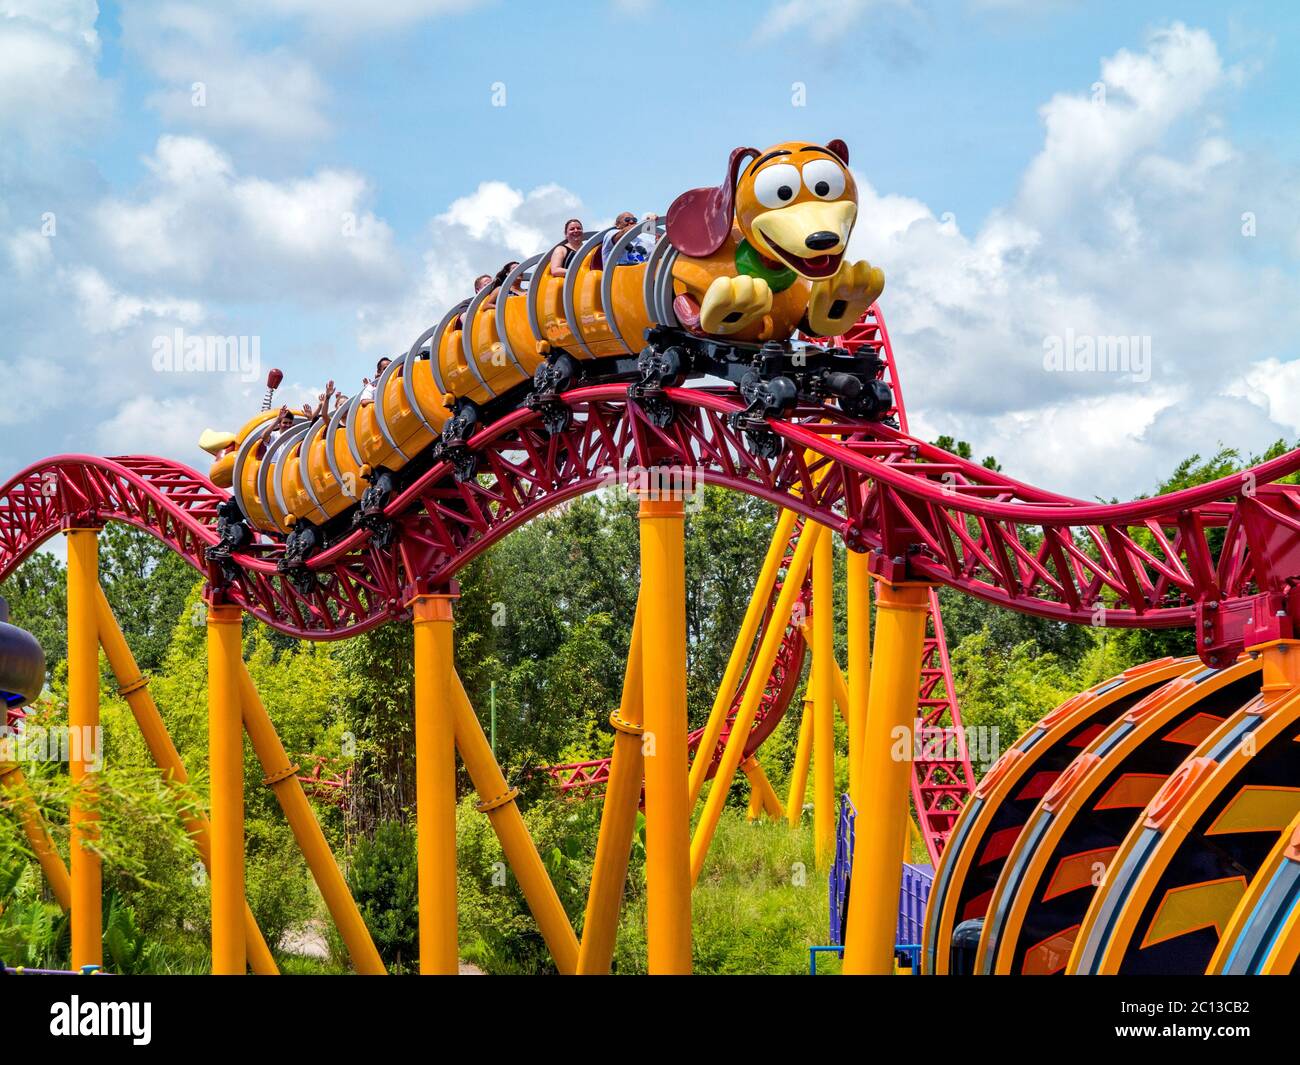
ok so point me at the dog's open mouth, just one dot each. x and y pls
(815, 266)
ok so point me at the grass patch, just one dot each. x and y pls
(759, 905)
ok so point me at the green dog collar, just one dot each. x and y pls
(749, 260)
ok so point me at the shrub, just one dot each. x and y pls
(497, 930)
(382, 879)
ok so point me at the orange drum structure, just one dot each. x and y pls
(1163, 844)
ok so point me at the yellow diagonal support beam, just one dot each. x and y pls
(134, 688)
(740, 650)
(617, 819)
(762, 668)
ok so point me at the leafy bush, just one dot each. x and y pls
(34, 931)
(127, 950)
(279, 887)
(497, 932)
(382, 878)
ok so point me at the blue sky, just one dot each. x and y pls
(1004, 202)
(926, 93)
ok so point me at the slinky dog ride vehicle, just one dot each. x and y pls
(735, 273)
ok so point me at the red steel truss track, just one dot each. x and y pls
(941, 776)
(942, 779)
(1223, 557)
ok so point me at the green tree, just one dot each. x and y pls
(963, 450)
(37, 592)
(148, 585)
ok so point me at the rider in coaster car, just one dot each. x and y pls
(562, 254)
(638, 251)
(368, 386)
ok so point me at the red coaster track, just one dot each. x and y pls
(923, 513)
(942, 780)
(1223, 557)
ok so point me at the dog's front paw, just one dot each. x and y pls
(732, 303)
(839, 301)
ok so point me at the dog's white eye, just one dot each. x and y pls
(824, 178)
(775, 186)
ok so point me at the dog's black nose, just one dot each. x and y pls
(822, 241)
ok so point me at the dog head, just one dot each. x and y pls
(795, 203)
(224, 447)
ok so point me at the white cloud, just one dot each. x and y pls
(102, 309)
(93, 350)
(217, 77)
(79, 358)
(212, 81)
(74, 19)
(202, 224)
(822, 20)
(1092, 138)
(29, 252)
(169, 425)
(347, 16)
(1127, 223)
(48, 78)
(1106, 447)
(477, 234)
(1273, 386)
(1020, 8)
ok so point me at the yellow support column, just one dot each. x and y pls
(83, 722)
(56, 873)
(910, 838)
(435, 784)
(841, 692)
(226, 773)
(760, 671)
(281, 776)
(762, 797)
(740, 652)
(498, 802)
(617, 819)
(823, 673)
(133, 686)
(859, 632)
(667, 812)
(802, 759)
(882, 816)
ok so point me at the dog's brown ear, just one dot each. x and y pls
(699, 220)
(839, 148)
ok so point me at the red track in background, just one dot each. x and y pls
(942, 779)
(589, 778)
